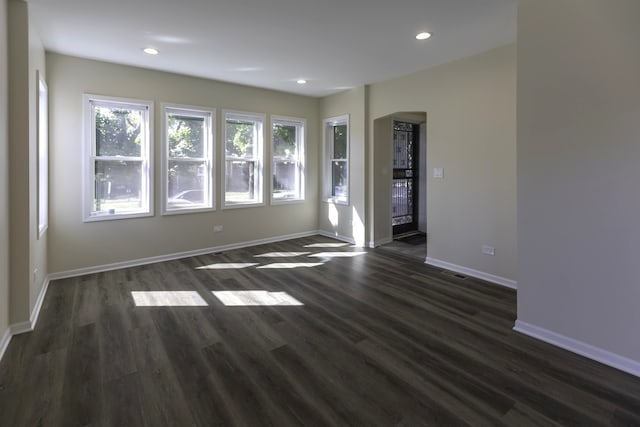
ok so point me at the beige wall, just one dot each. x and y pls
(74, 244)
(4, 174)
(28, 252)
(578, 170)
(471, 133)
(37, 244)
(382, 171)
(348, 221)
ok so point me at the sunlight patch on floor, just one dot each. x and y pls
(254, 298)
(227, 265)
(168, 299)
(337, 254)
(326, 245)
(292, 264)
(281, 254)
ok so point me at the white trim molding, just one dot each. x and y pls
(38, 306)
(376, 243)
(336, 236)
(4, 341)
(583, 349)
(178, 255)
(498, 280)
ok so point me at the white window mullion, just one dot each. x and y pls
(188, 141)
(125, 152)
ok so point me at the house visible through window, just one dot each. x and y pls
(189, 159)
(336, 132)
(243, 169)
(287, 153)
(118, 171)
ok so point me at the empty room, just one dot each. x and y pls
(319, 213)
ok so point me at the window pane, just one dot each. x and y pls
(186, 136)
(284, 141)
(240, 138)
(340, 142)
(118, 186)
(286, 184)
(241, 176)
(118, 131)
(187, 185)
(339, 180)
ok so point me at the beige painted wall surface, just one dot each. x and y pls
(578, 170)
(4, 173)
(19, 160)
(382, 179)
(37, 244)
(348, 221)
(74, 244)
(471, 133)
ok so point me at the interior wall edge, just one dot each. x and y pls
(498, 280)
(579, 347)
(169, 257)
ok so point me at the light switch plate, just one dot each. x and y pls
(438, 172)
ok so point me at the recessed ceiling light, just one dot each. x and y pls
(423, 36)
(150, 51)
(301, 81)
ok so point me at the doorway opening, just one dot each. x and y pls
(406, 174)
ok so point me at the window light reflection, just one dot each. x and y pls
(227, 265)
(256, 298)
(326, 245)
(291, 264)
(281, 254)
(337, 254)
(168, 299)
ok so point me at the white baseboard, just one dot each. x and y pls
(4, 341)
(583, 349)
(36, 308)
(20, 328)
(380, 242)
(336, 236)
(503, 281)
(177, 255)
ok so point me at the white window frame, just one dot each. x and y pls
(301, 129)
(43, 154)
(89, 157)
(209, 116)
(327, 137)
(258, 157)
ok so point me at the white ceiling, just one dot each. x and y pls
(334, 44)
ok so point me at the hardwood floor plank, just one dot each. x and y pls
(379, 340)
(121, 402)
(158, 382)
(81, 398)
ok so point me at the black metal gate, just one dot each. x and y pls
(405, 177)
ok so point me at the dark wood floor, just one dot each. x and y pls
(379, 340)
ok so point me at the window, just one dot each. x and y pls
(336, 137)
(118, 171)
(287, 154)
(243, 159)
(43, 156)
(188, 165)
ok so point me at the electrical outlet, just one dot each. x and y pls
(488, 250)
(217, 228)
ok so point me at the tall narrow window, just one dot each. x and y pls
(118, 169)
(243, 159)
(336, 136)
(43, 155)
(188, 139)
(287, 154)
